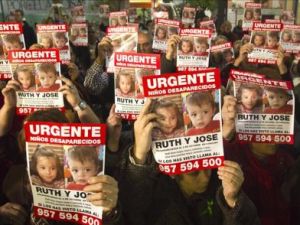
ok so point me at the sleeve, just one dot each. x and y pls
(96, 80)
(136, 185)
(244, 212)
(167, 66)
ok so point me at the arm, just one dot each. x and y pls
(235, 205)
(96, 79)
(85, 115)
(7, 111)
(114, 128)
(244, 50)
(168, 60)
(228, 117)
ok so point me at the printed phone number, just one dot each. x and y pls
(265, 138)
(68, 216)
(191, 166)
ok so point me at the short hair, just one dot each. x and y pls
(42, 151)
(273, 34)
(11, 38)
(201, 40)
(278, 91)
(83, 154)
(249, 10)
(60, 35)
(46, 68)
(200, 98)
(20, 11)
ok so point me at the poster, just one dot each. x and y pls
(130, 68)
(290, 38)
(194, 47)
(118, 19)
(38, 72)
(79, 34)
(60, 160)
(252, 13)
(163, 30)
(78, 14)
(55, 36)
(189, 136)
(265, 110)
(188, 17)
(11, 38)
(265, 39)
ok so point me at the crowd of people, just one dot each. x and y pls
(258, 183)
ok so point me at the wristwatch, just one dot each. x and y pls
(82, 105)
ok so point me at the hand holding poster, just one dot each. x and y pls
(11, 38)
(130, 68)
(194, 47)
(265, 40)
(38, 73)
(61, 158)
(55, 36)
(265, 109)
(189, 135)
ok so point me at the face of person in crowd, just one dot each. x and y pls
(25, 78)
(60, 42)
(286, 37)
(161, 34)
(47, 79)
(46, 168)
(186, 47)
(144, 43)
(194, 182)
(13, 46)
(272, 42)
(228, 57)
(200, 47)
(82, 171)
(200, 116)
(46, 42)
(258, 40)
(276, 100)
(125, 84)
(249, 98)
(167, 119)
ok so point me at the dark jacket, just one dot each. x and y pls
(151, 198)
(29, 34)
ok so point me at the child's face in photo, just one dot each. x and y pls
(286, 37)
(114, 22)
(167, 119)
(47, 79)
(125, 84)
(200, 47)
(272, 42)
(259, 40)
(248, 15)
(81, 172)
(200, 116)
(122, 21)
(256, 16)
(25, 78)
(60, 42)
(82, 32)
(46, 168)
(186, 47)
(228, 57)
(296, 37)
(161, 34)
(13, 46)
(249, 98)
(276, 100)
(46, 42)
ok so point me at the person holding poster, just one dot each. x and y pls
(191, 198)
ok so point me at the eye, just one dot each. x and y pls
(205, 112)
(75, 170)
